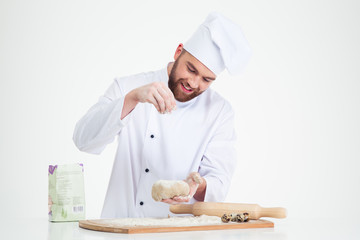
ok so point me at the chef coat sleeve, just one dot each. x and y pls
(100, 125)
(219, 160)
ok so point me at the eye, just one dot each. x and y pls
(190, 70)
(206, 80)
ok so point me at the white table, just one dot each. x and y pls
(284, 229)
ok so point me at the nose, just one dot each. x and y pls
(194, 82)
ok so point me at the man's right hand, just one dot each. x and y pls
(156, 93)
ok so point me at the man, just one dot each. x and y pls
(195, 140)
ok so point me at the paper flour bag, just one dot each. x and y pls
(66, 192)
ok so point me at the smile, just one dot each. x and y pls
(185, 89)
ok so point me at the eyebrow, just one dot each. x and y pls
(192, 66)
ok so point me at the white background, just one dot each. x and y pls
(297, 104)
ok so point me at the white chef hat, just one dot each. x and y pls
(219, 43)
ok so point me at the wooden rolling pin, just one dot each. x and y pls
(219, 209)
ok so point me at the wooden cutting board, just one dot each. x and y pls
(104, 226)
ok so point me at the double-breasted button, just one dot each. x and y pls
(147, 170)
(141, 203)
(152, 136)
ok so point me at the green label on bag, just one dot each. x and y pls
(66, 200)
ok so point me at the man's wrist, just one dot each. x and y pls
(201, 190)
(132, 97)
(130, 103)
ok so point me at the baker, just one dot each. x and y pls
(169, 124)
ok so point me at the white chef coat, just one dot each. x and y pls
(198, 136)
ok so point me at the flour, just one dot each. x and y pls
(172, 221)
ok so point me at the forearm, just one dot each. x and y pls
(201, 190)
(130, 103)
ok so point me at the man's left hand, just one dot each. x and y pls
(194, 180)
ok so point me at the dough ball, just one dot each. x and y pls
(164, 189)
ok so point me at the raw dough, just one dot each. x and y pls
(164, 189)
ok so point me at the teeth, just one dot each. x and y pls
(189, 89)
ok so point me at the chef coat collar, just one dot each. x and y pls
(165, 78)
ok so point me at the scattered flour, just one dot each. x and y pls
(171, 221)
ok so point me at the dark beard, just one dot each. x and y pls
(174, 85)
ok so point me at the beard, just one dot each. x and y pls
(174, 85)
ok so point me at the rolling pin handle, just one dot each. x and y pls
(181, 208)
(277, 212)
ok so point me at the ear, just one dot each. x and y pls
(178, 51)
